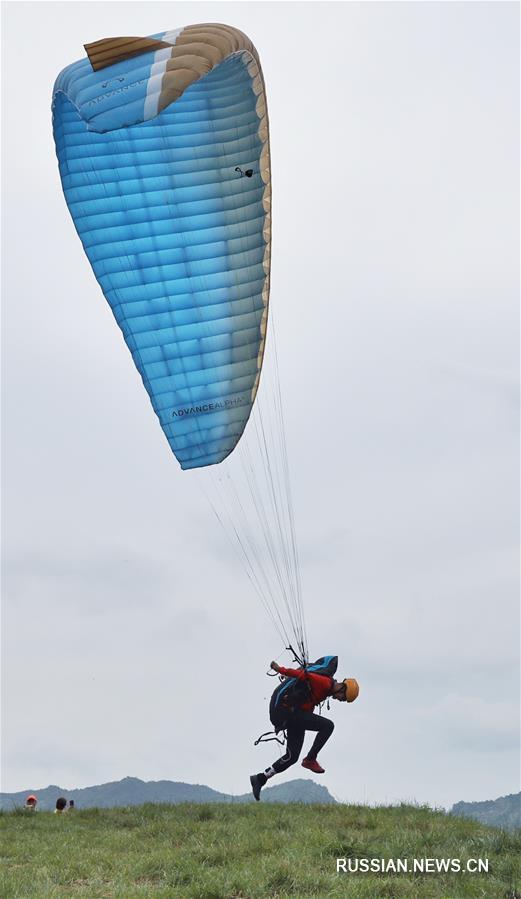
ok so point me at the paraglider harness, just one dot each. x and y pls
(291, 692)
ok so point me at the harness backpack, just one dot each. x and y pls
(291, 691)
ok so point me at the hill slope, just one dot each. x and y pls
(260, 851)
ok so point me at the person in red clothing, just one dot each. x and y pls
(293, 711)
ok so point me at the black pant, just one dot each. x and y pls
(296, 724)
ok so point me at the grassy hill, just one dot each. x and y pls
(259, 851)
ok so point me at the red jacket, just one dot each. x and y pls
(319, 684)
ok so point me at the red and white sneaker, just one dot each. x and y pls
(313, 765)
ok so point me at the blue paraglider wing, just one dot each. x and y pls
(163, 153)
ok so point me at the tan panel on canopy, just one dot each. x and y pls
(111, 50)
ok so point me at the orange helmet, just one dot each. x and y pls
(352, 688)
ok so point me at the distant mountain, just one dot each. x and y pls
(132, 791)
(503, 812)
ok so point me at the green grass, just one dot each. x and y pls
(247, 852)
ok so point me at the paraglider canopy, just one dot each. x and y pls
(149, 132)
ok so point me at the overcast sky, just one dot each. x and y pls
(133, 643)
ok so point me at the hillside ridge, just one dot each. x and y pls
(134, 791)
